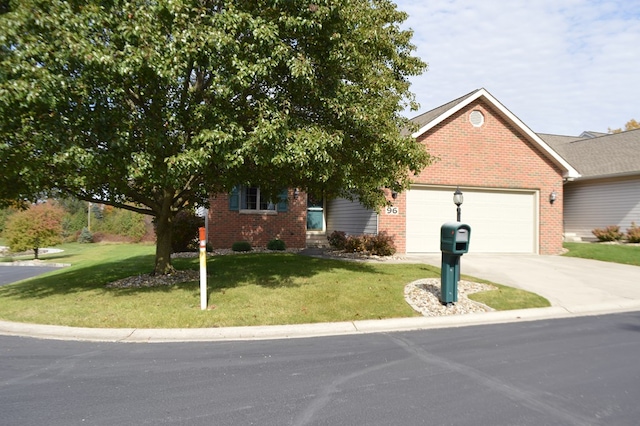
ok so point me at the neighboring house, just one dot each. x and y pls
(608, 191)
(506, 172)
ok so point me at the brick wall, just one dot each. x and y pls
(495, 155)
(395, 224)
(228, 226)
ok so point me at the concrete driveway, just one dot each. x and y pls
(578, 285)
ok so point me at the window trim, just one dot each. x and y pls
(244, 194)
(237, 200)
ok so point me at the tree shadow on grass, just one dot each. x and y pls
(72, 279)
(269, 270)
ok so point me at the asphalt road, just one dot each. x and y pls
(11, 274)
(578, 371)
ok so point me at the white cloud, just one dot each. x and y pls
(561, 66)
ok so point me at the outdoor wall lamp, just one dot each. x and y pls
(458, 198)
(296, 193)
(553, 196)
(394, 194)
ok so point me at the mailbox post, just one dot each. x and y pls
(454, 242)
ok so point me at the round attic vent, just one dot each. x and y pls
(476, 118)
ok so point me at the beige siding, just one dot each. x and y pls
(594, 204)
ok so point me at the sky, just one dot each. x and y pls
(561, 66)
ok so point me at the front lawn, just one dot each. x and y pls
(618, 253)
(244, 289)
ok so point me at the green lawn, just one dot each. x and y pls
(618, 253)
(247, 289)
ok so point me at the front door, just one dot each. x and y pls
(315, 214)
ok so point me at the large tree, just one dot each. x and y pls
(150, 105)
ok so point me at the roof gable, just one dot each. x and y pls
(432, 118)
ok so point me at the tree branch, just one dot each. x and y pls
(117, 204)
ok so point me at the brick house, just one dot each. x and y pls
(506, 172)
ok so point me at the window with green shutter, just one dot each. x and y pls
(249, 198)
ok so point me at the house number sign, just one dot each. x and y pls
(392, 210)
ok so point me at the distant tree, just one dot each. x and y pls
(38, 226)
(631, 125)
(5, 213)
(150, 106)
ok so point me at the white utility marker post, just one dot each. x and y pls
(203, 269)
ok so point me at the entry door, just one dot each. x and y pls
(315, 214)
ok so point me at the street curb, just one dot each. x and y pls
(142, 335)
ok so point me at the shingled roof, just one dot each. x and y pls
(610, 155)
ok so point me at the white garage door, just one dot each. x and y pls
(500, 221)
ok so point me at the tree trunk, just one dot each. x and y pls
(164, 230)
(35, 251)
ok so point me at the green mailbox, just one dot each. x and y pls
(454, 238)
(454, 242)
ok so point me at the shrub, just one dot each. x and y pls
(241, 246)
(185, 231)
(337, 239)
(380, 245)
(610, 233)
(276, 244)
(355, 244)
(85, 236)
(633, 233)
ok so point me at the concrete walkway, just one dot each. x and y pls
(575, 287)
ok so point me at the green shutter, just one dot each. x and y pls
(234, 199)
(284, 201)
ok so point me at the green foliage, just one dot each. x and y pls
(149, 106)
(633, 233)
(72, 224)
(34, 228)
(337, 240)
(120, 222)
(72, 205)
(241, 246)
(85, 236)
(185, 231)
(610, 233)
(5, 213)
(276, 244)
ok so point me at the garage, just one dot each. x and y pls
(501, 221)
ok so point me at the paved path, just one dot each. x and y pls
(11, 273)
